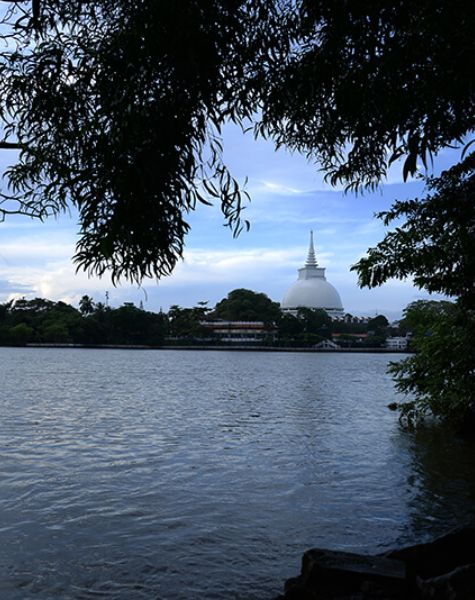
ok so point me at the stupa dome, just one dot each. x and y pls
(312, 290)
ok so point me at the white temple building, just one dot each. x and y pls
(312, 290)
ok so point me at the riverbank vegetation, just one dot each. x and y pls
(439, 377)
(435, 244)
(42, 321)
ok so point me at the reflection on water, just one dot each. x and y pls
(442, 480)
(180, 475)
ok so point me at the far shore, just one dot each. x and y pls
(231, 348)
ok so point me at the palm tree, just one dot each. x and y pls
(86, 305)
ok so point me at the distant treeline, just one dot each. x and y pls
(93, 323)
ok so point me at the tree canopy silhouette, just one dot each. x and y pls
(436, 246)
(116, 108)
(246, 305)
(436, 243)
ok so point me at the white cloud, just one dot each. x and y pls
(211, 275)
(279, 188)
(232, 265)
(55, 280)
(35, 250)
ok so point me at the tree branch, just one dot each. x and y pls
(10, 145)
(24, 213)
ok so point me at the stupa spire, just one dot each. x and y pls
(311, 258)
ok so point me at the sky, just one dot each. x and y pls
(288, 199)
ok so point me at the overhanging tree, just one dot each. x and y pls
(117, 107)
(440, 377)
(369, 82)
(436, 242)
(436, 246)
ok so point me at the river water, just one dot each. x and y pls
(180, 475)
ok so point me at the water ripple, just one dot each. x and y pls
(178, 475)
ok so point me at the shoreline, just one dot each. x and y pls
(218, 348)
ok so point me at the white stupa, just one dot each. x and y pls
(312, 290)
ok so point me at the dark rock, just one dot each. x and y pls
(458, 584)
(329, 574)
(440, 570)
(444, 554)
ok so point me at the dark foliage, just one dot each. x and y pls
(185, 323)
(117, 107)
(439, 378)
(436, 242)
(40, 321)
(246, 305)
(436, 246)
(46, 322)
(370, 82)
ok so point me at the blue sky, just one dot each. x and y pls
(289, 198)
